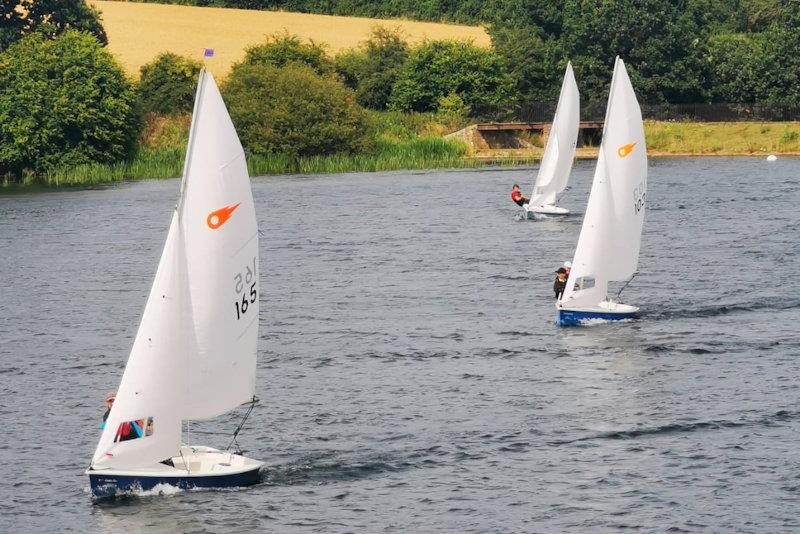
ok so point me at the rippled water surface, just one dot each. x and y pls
(411, 376)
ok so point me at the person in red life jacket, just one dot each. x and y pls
(130, 430)
(127, 430)
(517, 196)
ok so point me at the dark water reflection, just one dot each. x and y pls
(411, 374)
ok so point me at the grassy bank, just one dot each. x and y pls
(722, 138)
(683, 139)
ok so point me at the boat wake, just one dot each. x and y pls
(724, 309)
(676, 428)
(328, 466)
(136, 492)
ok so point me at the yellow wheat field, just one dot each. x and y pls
(138, 32)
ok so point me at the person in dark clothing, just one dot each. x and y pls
(517, 196)
(560, 283)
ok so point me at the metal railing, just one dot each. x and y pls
(702, 112)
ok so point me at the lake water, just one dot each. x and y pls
(411, 375)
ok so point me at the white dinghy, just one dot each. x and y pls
(608, 246)
(559, 152)
(194, 356)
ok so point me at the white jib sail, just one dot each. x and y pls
(194, 355)
(152, 384)
(221, 236)
(559, 152)
(608, 246)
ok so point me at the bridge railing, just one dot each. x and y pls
(702, 112)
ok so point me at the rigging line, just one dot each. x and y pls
(241, 425)
(562, 194)
(626, 284)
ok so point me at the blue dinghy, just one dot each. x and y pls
(611, 235)
(194, 355)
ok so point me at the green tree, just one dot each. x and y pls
(63, 102)
(50, 17)
(373, 70)
(284, 49)
(435, 69)
(167, 84)
(537, 64)
(660, 42)
(733, 61)
(295, 111)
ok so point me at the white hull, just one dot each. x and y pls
(549, 209)
(607, 306)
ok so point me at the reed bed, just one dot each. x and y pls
(418, 153)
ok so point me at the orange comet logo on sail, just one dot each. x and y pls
(624, 150)
(217, 218)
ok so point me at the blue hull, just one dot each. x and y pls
(577, 318)
(108, 485)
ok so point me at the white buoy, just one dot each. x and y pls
(772, 157)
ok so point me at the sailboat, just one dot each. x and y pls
(608, 246)
(559, 152)
(194, 355)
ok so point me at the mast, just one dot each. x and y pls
(190, 144)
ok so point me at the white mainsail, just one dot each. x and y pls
(559, 152)
(219, 223)
(194, 355)
(608, 246)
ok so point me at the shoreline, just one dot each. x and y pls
(104, 175)
(500, 156)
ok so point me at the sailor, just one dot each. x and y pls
(561, 282)
(110, 396)
(517, 196)
(567, 267)
(127, 430)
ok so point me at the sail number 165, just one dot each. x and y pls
(245, 287)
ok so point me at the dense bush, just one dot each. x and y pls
(373, 70)
(436, 69)
(281, 50)
(167, 84)
(63, 102)
(351, 66)
(49, 17)
(294, 111)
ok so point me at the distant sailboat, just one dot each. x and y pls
(194, 356)
(608, 246)
(559, 152)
